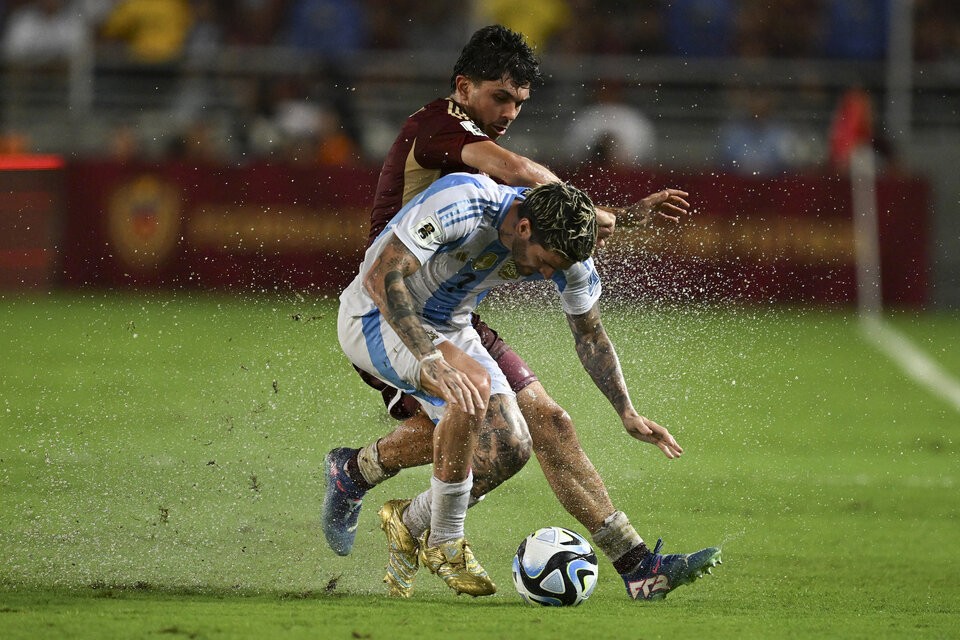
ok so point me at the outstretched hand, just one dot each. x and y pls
(669, 204)
(646, 430)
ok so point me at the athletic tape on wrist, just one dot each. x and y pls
(435, 355)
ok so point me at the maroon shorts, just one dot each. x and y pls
(518, 374)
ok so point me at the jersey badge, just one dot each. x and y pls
(484, 262)
(508, 271)
(427, 231)
(472, 127)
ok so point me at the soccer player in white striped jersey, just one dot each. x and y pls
(405, 318)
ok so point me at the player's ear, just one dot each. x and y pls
(463, 85)
(524, 230)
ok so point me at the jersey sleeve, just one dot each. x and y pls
(579, 287)
(442, 138)
(449, 210)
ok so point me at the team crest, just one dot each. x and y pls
(143, 220)
(509, 270)
(484, 262)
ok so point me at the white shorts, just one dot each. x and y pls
(372, 345)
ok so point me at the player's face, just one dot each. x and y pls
(531, 258)
(493, 104)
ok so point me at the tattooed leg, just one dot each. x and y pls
(503, 447)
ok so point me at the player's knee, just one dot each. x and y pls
(504, 446)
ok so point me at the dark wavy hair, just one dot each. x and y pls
(562, 219)
(494, 52)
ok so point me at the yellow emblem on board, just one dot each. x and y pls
(143, 219)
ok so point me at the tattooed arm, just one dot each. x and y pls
(599, 358)
(385, 285)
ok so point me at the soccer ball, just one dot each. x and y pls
(555, 567)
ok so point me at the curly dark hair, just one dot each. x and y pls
(494, 52)
(562, 219)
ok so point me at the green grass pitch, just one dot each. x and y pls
(159, 475)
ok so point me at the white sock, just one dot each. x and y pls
(448, 509)
(417, 515)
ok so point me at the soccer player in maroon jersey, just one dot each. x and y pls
(491, 81)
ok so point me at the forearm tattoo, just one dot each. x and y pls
(392, 296)
(599, 358)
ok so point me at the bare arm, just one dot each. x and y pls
(514, 169)
(385, 285)
(506, 166)
(599, 358)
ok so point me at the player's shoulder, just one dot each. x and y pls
(446, 115)
(468, 182)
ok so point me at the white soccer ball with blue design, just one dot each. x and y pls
(555, 567)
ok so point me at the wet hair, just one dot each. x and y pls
(562, 219)
(495, 52)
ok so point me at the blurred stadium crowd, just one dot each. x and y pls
(304, 80)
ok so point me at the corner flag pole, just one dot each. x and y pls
(866, 231)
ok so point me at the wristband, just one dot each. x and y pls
(434, 355)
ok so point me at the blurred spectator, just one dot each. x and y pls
(154, 31)
(610, 132)
(13, 142)
(252, 22)
(702, 28)
(198, 143)
(332, 29)
(755, 141)
(413, 24)
(537, 20)
(936, 30)
(607, 27)
(288, 125)
(787, 29)
(856, 29)
(124, 144)
(44, 31)
(206, 36)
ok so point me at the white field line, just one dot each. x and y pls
(914, 362)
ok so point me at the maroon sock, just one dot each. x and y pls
(629, 560)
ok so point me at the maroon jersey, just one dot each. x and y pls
(427, 148)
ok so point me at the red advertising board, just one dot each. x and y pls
(271, 227)
(246, 228)
(31, 213)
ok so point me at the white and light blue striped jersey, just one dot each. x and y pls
(453, 229)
